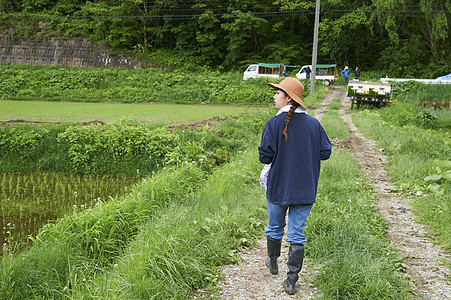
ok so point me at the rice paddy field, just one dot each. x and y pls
(159, 113)
(28, 201)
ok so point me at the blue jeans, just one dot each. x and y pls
(346, 80)
(297, 217)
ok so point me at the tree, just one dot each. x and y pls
(345, 33)
(382, 34)
(436, 25)
(420, 29)
(209, 37)
(242, 35)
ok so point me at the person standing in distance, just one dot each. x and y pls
(284, 72)
(346, 73)
(357, 74)
(307, 72)
(294, 143)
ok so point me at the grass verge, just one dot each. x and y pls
(418, 163)
(333, 124)
(346, 236)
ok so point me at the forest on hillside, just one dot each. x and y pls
(408, 38)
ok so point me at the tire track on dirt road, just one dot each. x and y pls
(421, 255)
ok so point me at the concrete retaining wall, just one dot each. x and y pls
(74, 52)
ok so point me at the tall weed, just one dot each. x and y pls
(81, 243)
(212, 224)
(136, 246)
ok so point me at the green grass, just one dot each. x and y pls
(346, 236)
(314, 101)
(136, 246)
(44, 111)
(91, 239)
(211, 224)
(414, 154)
(333, 124)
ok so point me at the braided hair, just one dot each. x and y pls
(290, 113)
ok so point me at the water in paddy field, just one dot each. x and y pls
(28, 201)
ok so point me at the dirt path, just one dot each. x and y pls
(421, 255)
(250, 278)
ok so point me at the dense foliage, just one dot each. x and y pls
(373, 34)
(125, 148)
(131, 86)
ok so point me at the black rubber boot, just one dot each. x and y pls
(273, 253)
(295, 260)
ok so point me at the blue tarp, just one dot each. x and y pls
(446, 77)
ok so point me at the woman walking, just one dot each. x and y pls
(293, 143)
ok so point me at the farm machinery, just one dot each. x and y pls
(368, 92)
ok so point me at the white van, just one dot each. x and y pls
(264, 70)
(325, 73)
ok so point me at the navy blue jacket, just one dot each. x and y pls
(293, 177)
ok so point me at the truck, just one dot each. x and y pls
(324, 72)
(373, 93)
(264, 70)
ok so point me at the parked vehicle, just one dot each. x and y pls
(368, 92)
(265, 70)
(324, 72)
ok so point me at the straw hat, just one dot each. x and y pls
(292, 87)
